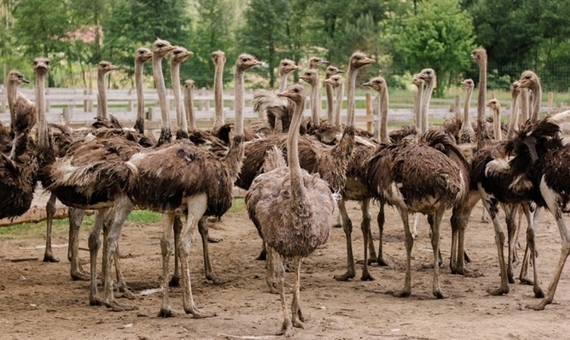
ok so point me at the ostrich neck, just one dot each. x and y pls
(418, 97)
(102, 107)
(330, 111)
(536, 101)
(140, 95)
(497, 133)
(350, 85)
(43, 137)
(466, 116)
(177, 91)
(315, 103)
(189, 103)
(426, 98)
(161, 91)
(338, 104)
(383, 110)
(283, 82)
(219, 118)
(238, 81)
(513, 120)
(524, 104)
(481, 131)
(297, 187)
(12, 95)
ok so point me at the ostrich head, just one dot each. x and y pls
(528, 78)
(246, 61)
(334, 81)
(287, 66)
(416, 80)
(467, 84)
(105, 67)
(143, 55)
(161, 47)
(479, 55)
(332, 70)
(296, 93)
(16, 76)
(376, 83)
(515, 88)
(179, 54)
(41, 65)
(359, 59)
(218, 57)
(427, 75)
(316, 62)
(310, 76)
(494, 104)
(189, 84)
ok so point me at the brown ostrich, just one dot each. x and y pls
(329, 72)
(293, 211)
(19, 165)
(192, 182)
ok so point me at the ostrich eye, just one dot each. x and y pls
(160, 45)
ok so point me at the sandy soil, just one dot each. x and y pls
(39, 301)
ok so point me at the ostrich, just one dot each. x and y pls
(286, 66)
(189, 104)
(103, 68)
(178, 55)
(142, 56)
(219, 59)
(420, 86)
(466, 133)
(293, 210)
(159, 49)
(311, 76)
(18, 168)
(192, 182)
(334, 82)
(316, 62)
(495, 106)
(331, 71)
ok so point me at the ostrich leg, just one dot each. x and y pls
(532, 220)
(177, 228)
(50, 212)
(367, 235)
(298, 317)
(347, 227)
(75, 217)
(409, 243)
(208, 271)
(166, 248)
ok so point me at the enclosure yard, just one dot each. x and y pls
(39, 300)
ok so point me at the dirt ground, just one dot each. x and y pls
(39, 300)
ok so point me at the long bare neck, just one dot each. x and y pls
(239, 90)
(139, 125)
(338, 104)
(219, 118)
(315, 103)
(513, 120)
(178, 103)
(12, 95)
(524, 98)
(418, 97)
(297, 186)
(466, 116)
(102, 107)
(536, 101)
(161, 91)
(350, 88)
(383, 110)
(481, 130)
(283, 82)
(43, 136)
(330, 107)
(189, 107)
(426, 98)
(497, 133)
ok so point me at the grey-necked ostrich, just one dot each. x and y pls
(329, 72)
(335, 83)
(19, 165)
(495, 107)
(466, 132)
(293, 211)
(178, 55)
(159, 49)
(189, 104)
(219, 59)
(192, 182)
(142, 55)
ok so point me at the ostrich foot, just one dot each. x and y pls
(511, 278)
(95, 301)
(538, 293)
(466, 257)
(117, 307)
(366, 277)
(215, 280)
(526, 281)
(539, 306)
(499, 291)
(199, 313)
(381, 262)
(48, 257)
(402, 293)
(467, 273)
(345, 277)
(298, 324)
(438, 294)
(79, 275)
(165, 312)
(214, 239)
(174, 281)
(124, 292)
(337, 225)
(286, 328)
(262, 255)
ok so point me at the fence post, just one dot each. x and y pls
(368, 113)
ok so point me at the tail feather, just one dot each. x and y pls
(274, 159)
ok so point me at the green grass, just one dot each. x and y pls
(238, 205)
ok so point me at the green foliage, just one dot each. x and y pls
(439, 36)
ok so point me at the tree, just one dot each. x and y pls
(439, 36)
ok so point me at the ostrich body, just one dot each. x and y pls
(282, 203)
(191, 182)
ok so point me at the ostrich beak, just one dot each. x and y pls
(367, 84)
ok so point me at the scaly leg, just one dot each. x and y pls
(166, 249)
(50, 212)
(367, 237)
(75, 217)
(436, 253)
(287, 326)
(530, 239)
(510, 214)
(298, 318)
(347, 227)
(94, 245)
(177, 228)
(208, 271)
(409, 242)
(381, 218)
